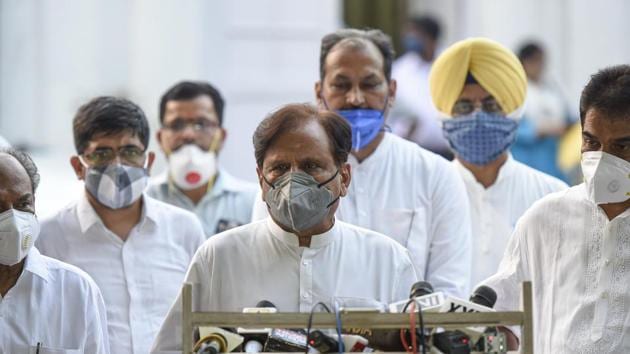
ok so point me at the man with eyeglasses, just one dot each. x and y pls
(136, 248)
(479, 86)
(191, 136)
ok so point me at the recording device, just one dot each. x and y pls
(286, 340)
(487, 340)
(322, 343)
(355, 343)
(214, 340)
(255, 338)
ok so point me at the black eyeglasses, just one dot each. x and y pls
(465, 106)
(201, 124)
(132, 155)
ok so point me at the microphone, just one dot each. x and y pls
(420, 288)
(254, 338)
(422, 293)
(214, 340)
(485, 296)
(471, 338)
(491, 340)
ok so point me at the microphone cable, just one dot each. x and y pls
(341, 348)
(310, 322)
(412, 329)
(420, 322)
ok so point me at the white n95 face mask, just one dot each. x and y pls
(607, 177)
(18, 232)
(191, 167)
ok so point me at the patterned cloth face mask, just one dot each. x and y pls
(116, 186)
(480, 137)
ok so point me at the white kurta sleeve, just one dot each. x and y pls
(405, 278)
(449, 254)
(97, 338)
(512, 271)
(169, 337)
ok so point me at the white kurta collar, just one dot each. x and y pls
(317, 241)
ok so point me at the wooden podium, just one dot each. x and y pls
(522, 318)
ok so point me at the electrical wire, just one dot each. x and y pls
(341, 348)
(421, 323)
(310, 322)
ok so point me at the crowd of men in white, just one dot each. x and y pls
(343, 208)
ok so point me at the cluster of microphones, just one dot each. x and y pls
(214, 340)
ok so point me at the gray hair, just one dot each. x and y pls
(27, 162)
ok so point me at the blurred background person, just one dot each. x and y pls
(413, 116)
(546, 117)
(191, 136)
(481, 86)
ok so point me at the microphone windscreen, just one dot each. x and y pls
(265, 303)
(420, 288)
(485, 296)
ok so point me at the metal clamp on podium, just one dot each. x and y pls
(523, 318)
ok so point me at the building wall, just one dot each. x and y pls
(581, 36)
(57, 54)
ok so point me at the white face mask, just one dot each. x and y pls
(191, 167)
(18, 232)
(607, 177)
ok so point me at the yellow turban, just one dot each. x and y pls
(492, 65)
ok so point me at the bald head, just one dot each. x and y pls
(17, 185)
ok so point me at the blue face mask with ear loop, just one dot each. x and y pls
(365, 123)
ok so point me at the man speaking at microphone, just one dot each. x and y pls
(300, 254)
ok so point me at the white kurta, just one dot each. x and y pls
(139, 277)
(417, 198)
(579, 265)
(260, 261)
(54, 304)
(495, 210)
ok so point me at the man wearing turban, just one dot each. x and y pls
(479, 87)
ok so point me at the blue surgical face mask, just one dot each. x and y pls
(412, 43)
(479, 137)
(365, 123)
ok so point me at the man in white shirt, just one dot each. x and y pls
(136, 248)
(46, 306)
(191, 136)
(481, 125)
(300, 255)
(399, 189)
(413, 115)
(574, 245)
